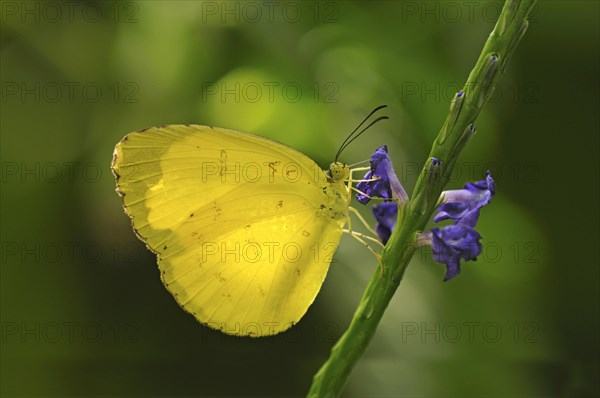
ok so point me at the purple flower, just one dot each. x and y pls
(450, 244)
(384, 182)
(459, 241)
(463, 205)
(453, 243)
(386, 214)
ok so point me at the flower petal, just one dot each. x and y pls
(453, 243)
(463, 205)
(363, 186)
(452, 269)
(384, 182)
(386, 214)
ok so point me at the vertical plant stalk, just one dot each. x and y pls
(454, 134)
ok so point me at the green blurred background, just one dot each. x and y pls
(83, 310)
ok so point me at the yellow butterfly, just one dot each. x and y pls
(244, 227)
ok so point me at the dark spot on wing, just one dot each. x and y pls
(217, 211)
(272, 166)
(279, 204)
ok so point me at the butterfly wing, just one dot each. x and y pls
(242, 226)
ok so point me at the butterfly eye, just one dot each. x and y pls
(338, 171)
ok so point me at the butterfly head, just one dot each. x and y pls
(338, 171)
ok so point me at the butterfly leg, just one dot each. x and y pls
(359, 169)
(361, 238)
(351, 180)
(352, 188)
(363, 221)
(352, 171)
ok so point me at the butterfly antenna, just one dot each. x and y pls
(351, 137)
(380, 118)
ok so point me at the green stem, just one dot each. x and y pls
(456, 131)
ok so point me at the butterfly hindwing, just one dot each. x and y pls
(241, 224)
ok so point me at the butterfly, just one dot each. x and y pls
(244, 227)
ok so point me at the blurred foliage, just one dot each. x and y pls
(83, 309)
